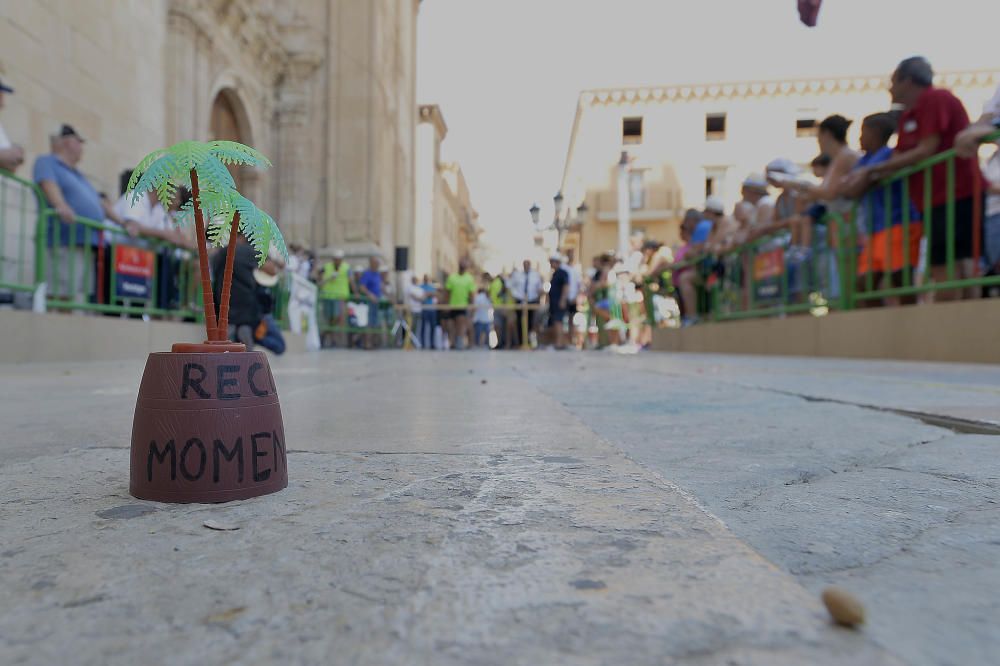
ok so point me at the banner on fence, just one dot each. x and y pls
(302, 310)
(133, 270)
(768, 269)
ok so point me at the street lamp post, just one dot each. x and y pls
(624, 206)
(557, 221)
(561, 221)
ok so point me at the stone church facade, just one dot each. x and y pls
(325, 88)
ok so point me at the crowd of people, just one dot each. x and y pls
(813, 221)
(851, 215)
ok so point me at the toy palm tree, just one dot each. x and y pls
(215, 207)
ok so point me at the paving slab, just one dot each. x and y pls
(903, 513)
(431, 518)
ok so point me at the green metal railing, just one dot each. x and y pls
(20, 204)
(77, 265)
(840, 270)
(81, 274)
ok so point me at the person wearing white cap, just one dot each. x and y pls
(558, 299)
(334, 290)
(724, 228)
(755, 193)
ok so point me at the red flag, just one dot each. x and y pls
(809, 11)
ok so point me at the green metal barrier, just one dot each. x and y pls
(82, 276)
(20, 203)
(841, 272)
(907, 281)
(79, 273)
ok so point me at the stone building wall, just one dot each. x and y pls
(325, 88)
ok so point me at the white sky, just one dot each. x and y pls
(507, 72)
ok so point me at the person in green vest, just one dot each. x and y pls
(496, 291)
(334, 291)
(460, 287)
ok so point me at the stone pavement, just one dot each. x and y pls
(517, 509)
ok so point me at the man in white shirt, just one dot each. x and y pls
(146, 218)
(11, 155)
(526, 287)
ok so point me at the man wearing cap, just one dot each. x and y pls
(558, 300)
(11, 155)
(71, 196)
(334, 290)
(724, 228)
(755, 193)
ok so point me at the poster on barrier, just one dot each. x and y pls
(302, 299)
(133, 269)
(768, 269)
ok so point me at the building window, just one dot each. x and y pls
(636, 190)
(715, 126)
(805, 127)
(715, 181)
(632, 130)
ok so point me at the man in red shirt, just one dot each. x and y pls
(931, 120)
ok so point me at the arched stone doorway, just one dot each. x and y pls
(229, 122)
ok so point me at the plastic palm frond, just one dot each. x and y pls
(214, 176)
(231, 152)
(141, 169)
(218, 209)
(189, 154)
(218, 231)
(161, 175)
(259, 229)
(185, 216)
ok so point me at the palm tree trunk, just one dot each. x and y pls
(208, 301)
(227, 279)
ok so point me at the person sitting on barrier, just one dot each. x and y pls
(70, 195)
(931, 120)
(11, 154)
(882, 251)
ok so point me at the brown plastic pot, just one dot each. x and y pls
(207, 426)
